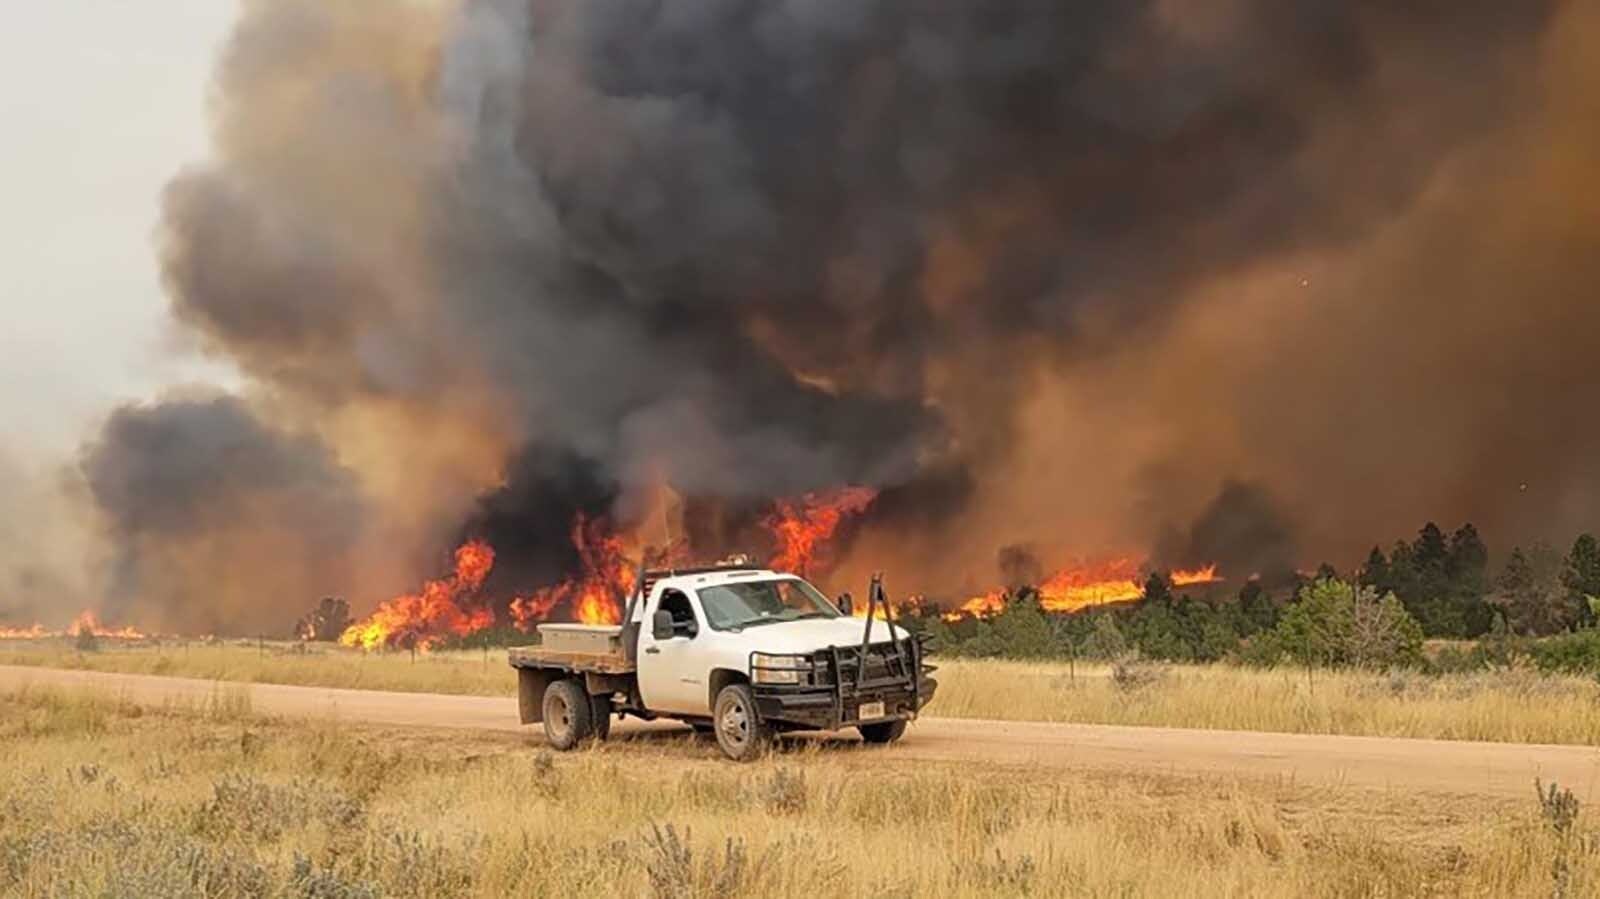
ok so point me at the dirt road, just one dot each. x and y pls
(1495, 769)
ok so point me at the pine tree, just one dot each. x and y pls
(1431, 556)
(1530, 593)
(1157, 589)
(1517, 573)
(1257, 612)
(1430, 552)
(1443, 583)
(1468, 570)
(1375, 573)
(1468, 558)
(1403, 580)
(1580, 575)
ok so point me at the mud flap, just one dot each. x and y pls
(531, 684)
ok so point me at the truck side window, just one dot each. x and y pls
(677, 605)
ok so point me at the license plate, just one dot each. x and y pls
(870, 710)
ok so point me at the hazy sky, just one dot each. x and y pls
(101, 101)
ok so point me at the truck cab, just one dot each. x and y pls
(741, 652)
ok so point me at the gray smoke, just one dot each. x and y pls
(753, 248)
(46, 568)
(1242, 531)
(224, 524)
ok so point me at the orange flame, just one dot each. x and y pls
(1206, 575)
(422, 619)
(86, 623)
(597, 595)
(803, 527)
(1083, 586)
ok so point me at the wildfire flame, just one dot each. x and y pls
(597, 595)
(422, 619)
(1083, 586)
(803, 527)
(86, 623)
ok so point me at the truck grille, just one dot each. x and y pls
(885, 664)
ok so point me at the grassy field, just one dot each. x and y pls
(311, 665)
(1510, 706)
(99, 798)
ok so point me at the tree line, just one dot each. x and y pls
(1435, 586)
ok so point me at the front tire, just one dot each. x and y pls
(568, 714)
(740, 731)
(883, 731)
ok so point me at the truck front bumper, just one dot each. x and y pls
(824, 708)
(843, 686)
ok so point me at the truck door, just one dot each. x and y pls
(672, 671)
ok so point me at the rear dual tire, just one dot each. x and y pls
(572, 716)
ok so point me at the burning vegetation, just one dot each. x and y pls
(1156, 279)
(1084, 586)
(597, 594)
(442, 607)
(803, 528)
(87, 624)
(799, 532)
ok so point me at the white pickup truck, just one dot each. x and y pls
(737, 651)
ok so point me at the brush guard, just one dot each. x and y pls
(842, 680)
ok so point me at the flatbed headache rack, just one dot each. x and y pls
(599, 648)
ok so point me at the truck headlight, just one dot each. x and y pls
(765, 669)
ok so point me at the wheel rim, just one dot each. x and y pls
(735, 723)
(562, 716)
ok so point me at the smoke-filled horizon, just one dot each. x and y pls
(1256, 281)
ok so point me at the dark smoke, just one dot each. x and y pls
(529, 520)
(224, 523)
(750, 249)
(1242, 531)
(1019, 567)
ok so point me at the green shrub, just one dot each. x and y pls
(1335, 623)
(1574, 653)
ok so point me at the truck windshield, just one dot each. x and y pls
(743, 604)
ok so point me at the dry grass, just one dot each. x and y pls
(311, 665)
(98, 798)
(1514, 706)
(1508, 706)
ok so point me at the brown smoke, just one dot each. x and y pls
(1050, 275)
(47, 566)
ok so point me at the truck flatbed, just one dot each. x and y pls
(598, 662)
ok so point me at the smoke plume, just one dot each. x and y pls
(501, 261)
(193, 490)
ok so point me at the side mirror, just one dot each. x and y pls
(661, 625)
(847, 604)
